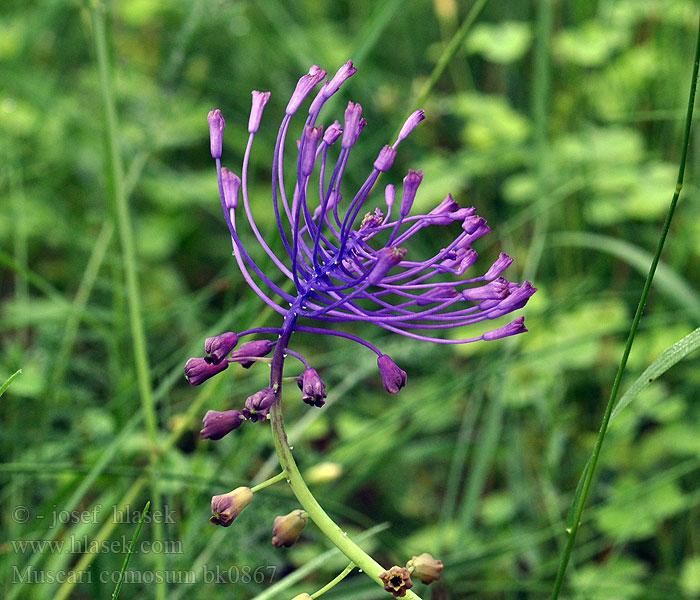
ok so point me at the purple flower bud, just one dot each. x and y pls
(333, 132)
(226, 507)
(502, 263)
(389, 197)
(313, 391)
(462, 213)
(472, 223)
(341, 76)
(441, 213)
(218, 347)
(260, 100)
(257, 406)
(436, 295)
(218, 424)
(216, 132)
(517, 299)
(467, 261)
(393, 378)
(256, 348)
(463, 257)
(410, 187)
(304, 87)
(385, 159)
(231, 183)
(410, 124)
(387, 259)
(490, 291)
(425, 567)
(312, 137)
(513, 328)
(287, 529)
(353, 125)
(198, 370)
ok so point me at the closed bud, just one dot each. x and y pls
(385, 159)
(198, 370)
(410, 124)
(231, 184)
(254, 349)
(312, 137)
(218, 424)
(313, 390)
(226, 507)
(513, 328)
(216, 132)
(397, 581)
(287, 529)
(302, 597)
(304, 87)
(387, 259)
(393, 378)
(425, 567)
(410, 187)
(333, 132)
(260, 99)
(502, 263)
(218, 347)
(257, 406)
(353, 126)
(440, 215)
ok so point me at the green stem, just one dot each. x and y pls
(327, 526)
(633, 330)
(268, 482)
(449, 53)
(335, 581)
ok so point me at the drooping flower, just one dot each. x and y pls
(348, 263)
(218, 424)
(226, 507)
(287, 529)
(426, 568)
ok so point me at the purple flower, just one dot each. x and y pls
(218, 347)
(198, 370)
(347, 261)
(218, 424)
(393, 378)
(313, 390)
(257, 406)
(254, 349)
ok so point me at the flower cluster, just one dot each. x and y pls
(348, 264)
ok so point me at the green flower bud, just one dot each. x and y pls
(287, 529)
(302, 597)
(226, 507)
(425, 567)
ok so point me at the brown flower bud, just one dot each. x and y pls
(226, 507)
(425, 567)
(287, 529)
(396, 581)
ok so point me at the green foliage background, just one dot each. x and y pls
(561, 121)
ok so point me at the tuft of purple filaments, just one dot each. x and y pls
(347, 263)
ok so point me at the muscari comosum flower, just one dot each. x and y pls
(346, 263)
(349, 264)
